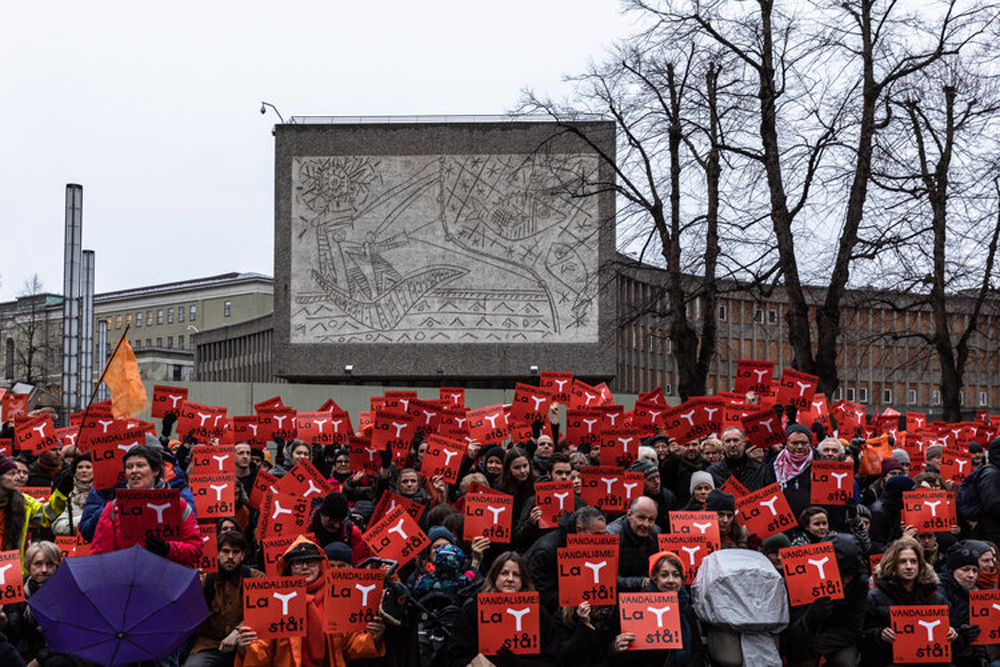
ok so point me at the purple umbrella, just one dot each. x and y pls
(119, 607)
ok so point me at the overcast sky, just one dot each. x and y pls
(154, 109)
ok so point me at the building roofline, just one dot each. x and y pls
(438, 118)
(220, 279)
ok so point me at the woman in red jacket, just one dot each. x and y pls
(144, 470)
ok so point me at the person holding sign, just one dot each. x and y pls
(814, 526)
(666, 575)
(902, 578)
(961, 569)
(752, 474)
(318, 647)
(517, 478)
(19, 511)
(508, 574)
(144, 470)
(22, 629)
(793, 467)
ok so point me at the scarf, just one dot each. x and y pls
(787, 466)
(49, 467)
(314, 643)
(987, 579)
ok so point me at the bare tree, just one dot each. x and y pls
(31, 341)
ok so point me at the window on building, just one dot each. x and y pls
(118, 322)
(159, 316)
(180, 342)
(935, 397)
(850, 393)
(722, 313)
(180, 314)
(149, 342)
(772, 316)
(961, 398)
(193, 313)
(887, 396)
(8, 359)
(149, 318)
(128, 318)
(170, 342)
(758, 315)
(667, 390)
(911, 396)
(838, 394)
(177, 371)
(170, 315)
(227, 308)
(982, 399)
(159, 341)
(862, 394)
(138, 318)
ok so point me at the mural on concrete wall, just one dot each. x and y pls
(443, 249)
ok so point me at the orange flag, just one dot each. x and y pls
(128, 395)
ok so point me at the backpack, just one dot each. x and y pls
(967, 497)
(872, 453)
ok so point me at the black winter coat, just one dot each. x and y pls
(962, 653)
(675, 474)
(889, 593)
(464, 645)
(885, 528)
(542, 562)
(751, 474)
(633, 555)
(988, 487)
(798, 490)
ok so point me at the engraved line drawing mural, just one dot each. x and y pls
(443, 249)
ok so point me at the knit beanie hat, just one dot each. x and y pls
(334, 506)
(720, 501)
(645, 466)
(701, 477)
(438, 532)
(775, 543)
(901, 456)
(799, 428)
(339, 551)
(961, 555)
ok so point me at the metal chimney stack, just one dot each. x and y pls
(72, 293)
(87, 329)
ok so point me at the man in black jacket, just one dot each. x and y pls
(637, 543)
(751, 474)
(988, 489)
(542, 556)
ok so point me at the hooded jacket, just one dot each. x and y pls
(349, 534)
(341, 647)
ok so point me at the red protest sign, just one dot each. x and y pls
(263, 483)
(488, 425)
(558, 383)
(578, 540)
(453, 395)
(984, 611)
(654, 619)
(443, 457)
(270, 403)
(588, 574)
(396, 536)
(765, 512)
(530, 404)
(245, 429)
(955, 465)
(67, 435)
(214, 494)
(7, 446)
(601, 487)
(274, 548)
(508, 621)
(35, 434)
(690, 548)
(167, 400)
(72, 546)
(149, 512)
(108, 461)
(734, 487)
(619, 446)
(323, 428)
(633, 485)
(915, 421)
(209, 561)
(354, 599)
(763, 429)
(928, 511)
(278, 422)
(390, 500)
(653, 396)
(488, 514)
(554, 499)
(393, 429)
(649, 418)
(583, 426)
(213, 460)
(364, 456)
(275, 607)
(13, 406)
(832, 482)
(39, 493)
(11, 579)
(752, 375)
(282, 514)
(811, 572)
(697, 523)
(921, 634)
(582, 395)
(304, 481)
(202, 422)
(453, 423)
(797, 388)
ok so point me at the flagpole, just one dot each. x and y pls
(86, 411)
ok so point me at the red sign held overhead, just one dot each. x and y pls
(390, 500)
(279, 422)
(508, 621)
(554, 499)
(213, 460)
(214, 494)
(323, 428)
(202, 422)
(763, 429)
(209, 561)
(365, 456)
(35, 434)
(396, 536)
(811, 572)
(353, 600)
(281, 515)
(915, 421)
(149, 513)
(955, 465)
(701, 524)
(588, 574)
(275, 607)
(454, 396)
(832, 482)
(654, 619)
(167, 400)
(13, 406)
(488, 514)
(601, 487)
(443, 457)
(559, 384)
(582, 395)
(765, 512)
(393, 429)
(530, 404)
(752, 375)
(797, 388)
(246, 429)
(929, 511)
(488, 425)
(921, 634)
(263, 483)
(619, 446)
(583, 426)
(304, 481)
(690, 548)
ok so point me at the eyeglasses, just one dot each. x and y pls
(304, 564)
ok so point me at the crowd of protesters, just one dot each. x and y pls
(429, 614)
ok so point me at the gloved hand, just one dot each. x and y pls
(64, 482)
(968, 632)
(157, 546)
(386, 455)
(536, 429)
(791, 412)
(779, 409)
(168, 423)
(817, 613)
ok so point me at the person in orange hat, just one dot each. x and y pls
(666, 575)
